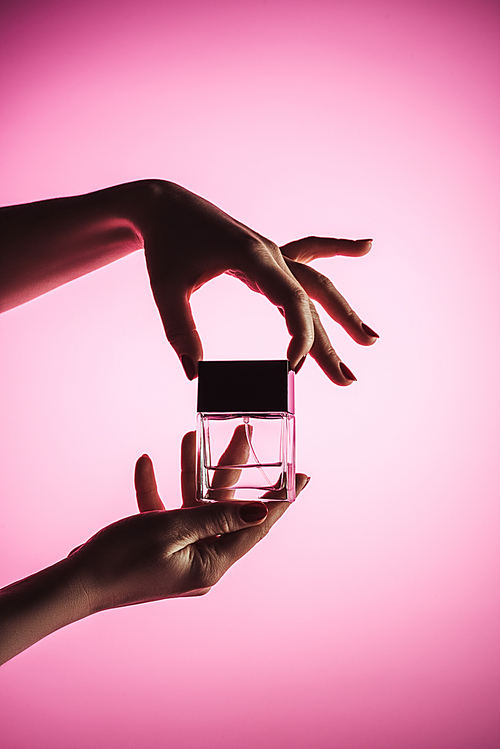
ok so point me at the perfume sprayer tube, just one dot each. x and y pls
(245, 431)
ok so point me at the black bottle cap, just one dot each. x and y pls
(245, 386)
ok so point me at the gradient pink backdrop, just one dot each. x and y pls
(369, 618)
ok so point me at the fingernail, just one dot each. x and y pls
(300, 365)
(188, 366)
(369, 331)
(367, 242)
(253, 512)
(347, 372)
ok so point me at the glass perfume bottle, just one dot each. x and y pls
(245, 430)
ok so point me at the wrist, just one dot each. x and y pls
(140, 204)
(94, 592)
(33, 608)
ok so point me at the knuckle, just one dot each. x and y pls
(262, 248)
(351, 316)
(324, 282)
(314, 312)
(330, 352)
(299, 296)
(272, 247)
(324, 350)
(180, 337)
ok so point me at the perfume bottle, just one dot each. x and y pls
(245, 430)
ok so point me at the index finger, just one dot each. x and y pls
(283, 290)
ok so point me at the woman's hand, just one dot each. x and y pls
(154, 555)
(189, 241)
(166, 554)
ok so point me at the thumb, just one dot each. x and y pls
(226, 531)
(221, 518)
(180, 329)
(310, 248)
(146, 490)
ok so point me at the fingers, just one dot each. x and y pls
(282, 289)
(301, 481)
(188, 470)
(218, 518)
(320, 288)
(146, 490)
(221, 551)
(311, 248)
(180, 328)
(325, 355)
(235, 454)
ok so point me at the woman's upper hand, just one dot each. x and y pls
(171, 553)
(189, 241)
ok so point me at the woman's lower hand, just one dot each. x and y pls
(171, 553)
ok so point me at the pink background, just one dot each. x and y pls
(370, 617)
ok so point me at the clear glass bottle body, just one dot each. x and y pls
(243, 456)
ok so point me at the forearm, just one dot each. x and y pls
(46, 244)
(40, 604)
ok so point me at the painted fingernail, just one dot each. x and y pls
(253, 512)
(188, 366)
(347, 372)
(369, 331)
(300, 365)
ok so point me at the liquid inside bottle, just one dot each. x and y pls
(244, 456)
